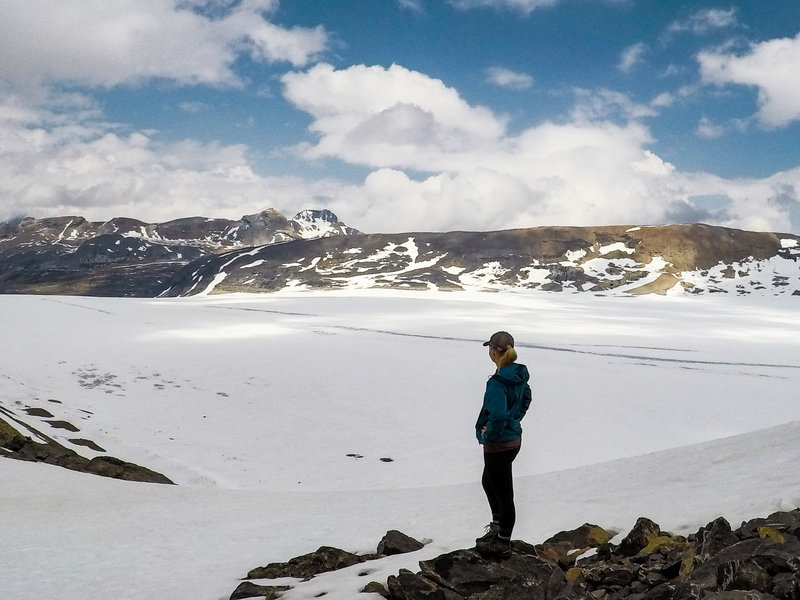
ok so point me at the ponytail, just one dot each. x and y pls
(506, 358)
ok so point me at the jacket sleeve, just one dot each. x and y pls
(495, 411)
(526, 401)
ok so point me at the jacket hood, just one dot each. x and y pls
(514, 374)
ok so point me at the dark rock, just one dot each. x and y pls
(714, 537)
(784, 522)
(786, 586)
(739, 595)
(247, 589)
(108, 466)
(639, 537)
(15, 445)
(713, 563)
(375, 587)
(466, 572)
(325, 559)
(564, 547)
(396, 542)
(39, 412)
(63, 425)
(410, 586)
(87, 443)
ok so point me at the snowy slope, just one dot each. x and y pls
(680, 409)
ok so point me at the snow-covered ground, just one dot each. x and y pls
(681, 409)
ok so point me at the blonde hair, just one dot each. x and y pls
(506, 358)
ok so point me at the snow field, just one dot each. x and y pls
(679, 409)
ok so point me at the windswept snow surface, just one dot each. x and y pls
(679, 409)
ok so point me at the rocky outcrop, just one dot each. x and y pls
(323, 560)
(758, 561)
(17, 446)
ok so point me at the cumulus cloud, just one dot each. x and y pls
(704, 21)
(104, 44)
(770, 66)
(389, 117)
(68, 159)
(72, 162)
(596, 169)
(523, 6)
(506, 78)
(631, 56)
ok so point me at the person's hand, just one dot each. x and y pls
(483, 430)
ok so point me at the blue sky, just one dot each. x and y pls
(403, 115)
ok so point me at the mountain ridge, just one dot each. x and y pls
(266, 252)
(696, 258)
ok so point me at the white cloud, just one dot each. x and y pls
(412, 5)
(437, 163)
(587, 172)
(708, 129)
(663, 100)
(74, 163)
(603, 104)
(523, 6)
(771, 66)
(389, 117)
(506, 78)
(104, 44)
(705, 20)
(632, 56)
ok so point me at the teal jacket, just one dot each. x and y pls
(505, 402)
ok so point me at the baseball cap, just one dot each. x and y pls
(500, 340)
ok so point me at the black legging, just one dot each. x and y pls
(499, 487)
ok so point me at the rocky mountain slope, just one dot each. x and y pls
(637, 260)
(313, 250)
(127, 257)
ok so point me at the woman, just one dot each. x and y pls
(498, 429)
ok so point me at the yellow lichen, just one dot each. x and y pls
(573, 573)
(772, 533)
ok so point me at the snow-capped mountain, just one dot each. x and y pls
(128, 257)
(268, 252)
(635, 260)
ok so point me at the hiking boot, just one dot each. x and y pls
(493, 546)
(490, 531)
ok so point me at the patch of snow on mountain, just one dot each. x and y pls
(218, 278)
(573, 256)
(313, 264)
(616, 247)
(453, 270)
(789, 243)
(484, 277)
(533, 275)
(253, 264)
(604, 268)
